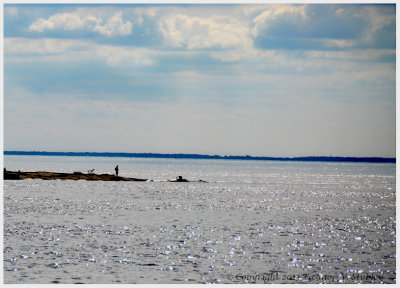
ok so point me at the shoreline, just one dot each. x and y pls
(212, 157)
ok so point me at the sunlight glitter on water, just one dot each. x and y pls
(299, 220)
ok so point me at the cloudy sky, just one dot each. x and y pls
(263, 80)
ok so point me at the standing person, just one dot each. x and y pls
(116, 170)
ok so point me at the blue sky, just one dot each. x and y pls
(263, 80)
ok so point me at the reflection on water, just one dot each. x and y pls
(255, 222)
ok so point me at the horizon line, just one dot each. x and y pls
(205, 156)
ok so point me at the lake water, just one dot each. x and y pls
(254, 222)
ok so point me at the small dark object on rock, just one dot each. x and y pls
(180, 179)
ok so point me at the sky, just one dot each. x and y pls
(263, 79)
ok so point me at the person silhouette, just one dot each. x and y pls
(116, 170)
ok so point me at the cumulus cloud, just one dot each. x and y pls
(291, 15)
(111, 26)
(114, 26)
(204, 32)
(65, 21)
(324, 27)
(240, 27)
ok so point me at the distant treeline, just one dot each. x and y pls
(199, 156)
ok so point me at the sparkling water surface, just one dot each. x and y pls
(254, 222)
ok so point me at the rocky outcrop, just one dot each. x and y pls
(12, 175)
(18, 175)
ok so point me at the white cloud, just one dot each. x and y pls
(42, 46)
(58, 50)
(114, 26)
(379, 18)
(291, 13)
(145, 12)
(111, 26)
(325, 26)
(126, 56)
(64, 21)
(339, 43)
(364, 54)
(204, 32)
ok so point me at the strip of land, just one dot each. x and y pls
(199, 156)
(18, 175)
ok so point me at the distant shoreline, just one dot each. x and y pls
(199, 156)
